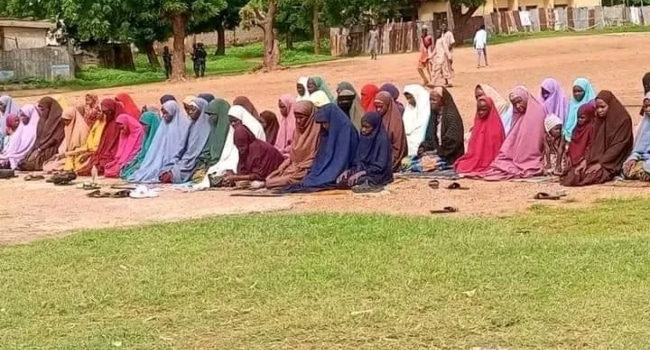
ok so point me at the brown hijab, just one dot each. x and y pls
(305, 137)
(613, 140)
(248, 105)
(392, 121)
(271, 126)
(50, 129)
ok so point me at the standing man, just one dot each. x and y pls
(426, 52)
(480, 44)
(374, 42)
(448, 38)
(199, 56)
(167, 61)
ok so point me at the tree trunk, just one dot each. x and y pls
(151, 55)
(270, 54)
(221, 40)
(178, 57)
(289, 40)
(315, 13)
(460, 20)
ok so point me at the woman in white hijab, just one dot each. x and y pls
(319, 99)
(416, 116)
(239, 114)
(228, 161)
(301, 88)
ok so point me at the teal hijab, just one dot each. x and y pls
(219, 126)
(150, 119)
(572, 115)
(322, 86)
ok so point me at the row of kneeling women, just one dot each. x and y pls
(323, 140)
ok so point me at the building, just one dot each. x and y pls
(23, 34)
(437, 11)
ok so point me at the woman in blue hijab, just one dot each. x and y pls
(583, 92)
(337, 148)
(373, 164)
(166, 144)
(182, 166)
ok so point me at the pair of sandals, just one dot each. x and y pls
(548, 196)
(118, 194)
(62, 179)
(435, 184)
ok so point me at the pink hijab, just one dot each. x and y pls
(287, 126)
(129, 144)
(521, 154)
(23, 139)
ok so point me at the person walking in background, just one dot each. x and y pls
(449, 40)
(480, 44)
(198, 57)
(441, 62)
(167, 61)
(374, 42)
(426, 52)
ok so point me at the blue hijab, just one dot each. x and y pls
(572, 115)
(337, 148)
(183, 164)
(641, 150)
(207, 97)
(169, 139)
(375, 153)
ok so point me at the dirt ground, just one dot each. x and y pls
(616, 62)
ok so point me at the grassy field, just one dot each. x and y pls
(550, 279)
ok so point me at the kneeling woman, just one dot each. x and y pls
(611, 145)
(303, 148)
(636, 166)
(257, 159)
(373, 164)
(337, 147)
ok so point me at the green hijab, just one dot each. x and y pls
(345, 85)
(322, 86)
(212, 150)
(153, 121)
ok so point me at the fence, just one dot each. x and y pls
(46, 63)
(404, 36)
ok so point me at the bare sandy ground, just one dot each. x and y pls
(615, 62)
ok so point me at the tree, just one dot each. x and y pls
(462, 11)
(179, 13)
(293, 21)
(253, 14)
(315, 8)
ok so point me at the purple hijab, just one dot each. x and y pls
(520, 155)
(556, 103)
(394, 93)
(22, 141)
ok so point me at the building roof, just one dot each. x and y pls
(25, 23)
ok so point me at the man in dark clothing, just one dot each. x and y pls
(199, 56)
(167, 61)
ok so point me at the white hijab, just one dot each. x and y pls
(248, 120)
(416, 119)
(228, 161)
(303, 81)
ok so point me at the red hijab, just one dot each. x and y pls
(256, 157)
(484, 144)
(109, 142)
(582, 134)
(130, 107)
(368, 93)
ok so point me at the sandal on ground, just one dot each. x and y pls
(546, 196)
(143, 192)
(98, 194)
(34, 177)
(434, 184)
(456, 186)
(366, 188)
(7, 174)
(445, 210)
(90, 186)
(121, 194)
(63, 178)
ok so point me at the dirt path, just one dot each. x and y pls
(615, 62)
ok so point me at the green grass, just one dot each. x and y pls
(551, 279)
(509, 38)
